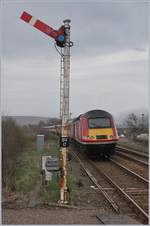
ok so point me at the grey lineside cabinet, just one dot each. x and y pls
(40, 142)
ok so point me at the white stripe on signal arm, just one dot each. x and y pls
(32, 21)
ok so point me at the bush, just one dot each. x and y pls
(13, 142)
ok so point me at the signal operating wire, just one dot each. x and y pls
(61, 54)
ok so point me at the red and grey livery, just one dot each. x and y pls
(95, 131)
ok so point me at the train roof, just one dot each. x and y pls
(94, 114)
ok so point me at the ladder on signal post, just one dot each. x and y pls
(61, 81)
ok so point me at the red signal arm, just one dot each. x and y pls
(42, 26)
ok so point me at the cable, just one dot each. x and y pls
(60, 53)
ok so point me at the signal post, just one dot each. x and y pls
(64, 139)
(62, 39)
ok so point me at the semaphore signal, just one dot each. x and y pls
(58, 35)
(62, 39)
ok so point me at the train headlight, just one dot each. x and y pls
(86, 137)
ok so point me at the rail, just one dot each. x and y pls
(122, 191)
(131, 151)
(118, 152)
(124, 194)
(93, 179)
(130, 171)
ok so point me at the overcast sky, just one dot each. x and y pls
(109, 59)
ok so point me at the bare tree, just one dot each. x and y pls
(136, 125)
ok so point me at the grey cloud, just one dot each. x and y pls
(96, 27)
(31, 63)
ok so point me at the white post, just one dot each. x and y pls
(64, 142)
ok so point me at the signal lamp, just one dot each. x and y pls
(61, 38)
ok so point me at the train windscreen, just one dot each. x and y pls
(99, 123)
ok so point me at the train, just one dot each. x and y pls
(94, 132)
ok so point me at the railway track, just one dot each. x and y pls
(133, 155)
(143, 179)
(137, 164)
(132, 151)
(126, 179)
(131, 165)
(121, 196)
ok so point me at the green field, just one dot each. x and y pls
(28, 177)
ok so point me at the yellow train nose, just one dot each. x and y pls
(101, 133)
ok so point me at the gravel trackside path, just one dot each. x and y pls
(49, 216)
